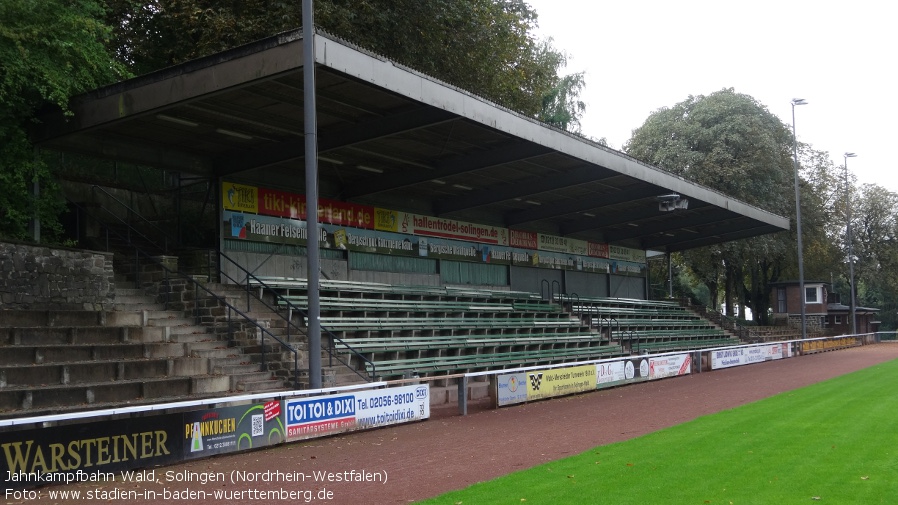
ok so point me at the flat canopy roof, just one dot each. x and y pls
(395, 138)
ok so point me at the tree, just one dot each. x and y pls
(49, 50)
(874, 223)
(731, 143)
(483, 46)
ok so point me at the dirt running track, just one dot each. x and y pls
(449, 452)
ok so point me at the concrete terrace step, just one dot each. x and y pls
(189, 335)
(211, 352)
(19, 401)
(38, 354)
(259, 385)
(80, 335)
(139, 306)
(26, 318)
(170, 320)
(43, 374)
(236, 368)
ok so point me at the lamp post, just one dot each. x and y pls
(850, 246)
(804, 327)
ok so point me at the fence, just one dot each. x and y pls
(167, 433)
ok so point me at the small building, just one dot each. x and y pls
(824, 311)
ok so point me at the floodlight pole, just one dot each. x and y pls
(801, 295)
(310, 127)
(852, 303)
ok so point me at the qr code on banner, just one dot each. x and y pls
(258, 425)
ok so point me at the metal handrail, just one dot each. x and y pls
(133, 212)
(334, 339)
(221, 300)
(332, 352)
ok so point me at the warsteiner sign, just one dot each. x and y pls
(36, 456)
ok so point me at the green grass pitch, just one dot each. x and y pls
(835, 442)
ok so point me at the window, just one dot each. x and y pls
(838, 319)
(811, 295)
(781, 300)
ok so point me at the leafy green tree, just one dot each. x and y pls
(483, 46)
(822, 224)
(728, 142)
(49, 50)
(874, 222)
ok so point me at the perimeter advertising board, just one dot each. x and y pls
(520, 387)
(670, 366)
(89, 451)
(725, 358)
(319, 416)
(232, 429)
(560, 381)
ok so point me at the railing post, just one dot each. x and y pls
(463, 395)
(196, 308)
(263, 352)
(137, 267)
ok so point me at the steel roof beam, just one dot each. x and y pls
(579, 205)
(525, 189)
(359, 133)
(508, 153)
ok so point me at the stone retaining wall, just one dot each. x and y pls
(40, 277)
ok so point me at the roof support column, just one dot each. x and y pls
(311, 154)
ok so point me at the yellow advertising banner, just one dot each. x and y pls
(386, 220)
(560, 381)
(240, 197)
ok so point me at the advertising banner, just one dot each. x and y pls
(523, 239)
(726, 358)
(520, 387)
(609, 374)
(626, 254)
(670, 366)
(260, 228)
(511, 388)
(326, 415)
(239, 197)
(231, 429)
(560, 381)
(268, 215)
(90, 451)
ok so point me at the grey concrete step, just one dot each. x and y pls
(40, 375)
(236, 369)
(19, 401)
(48, 335)
(136, 306)
(215, 352)
(171, 320)
(259, 385)
(38, 354)
(192, 336)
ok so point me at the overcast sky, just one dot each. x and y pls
(642, 55)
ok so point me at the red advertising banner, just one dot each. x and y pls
(283, 204)
(597, 250)
(523, 239)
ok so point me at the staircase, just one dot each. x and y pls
(224, 355)
(54, 361)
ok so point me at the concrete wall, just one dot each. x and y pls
(67, 279)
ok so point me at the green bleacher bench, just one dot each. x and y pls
(499, 361)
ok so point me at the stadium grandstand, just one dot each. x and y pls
(454, 236)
